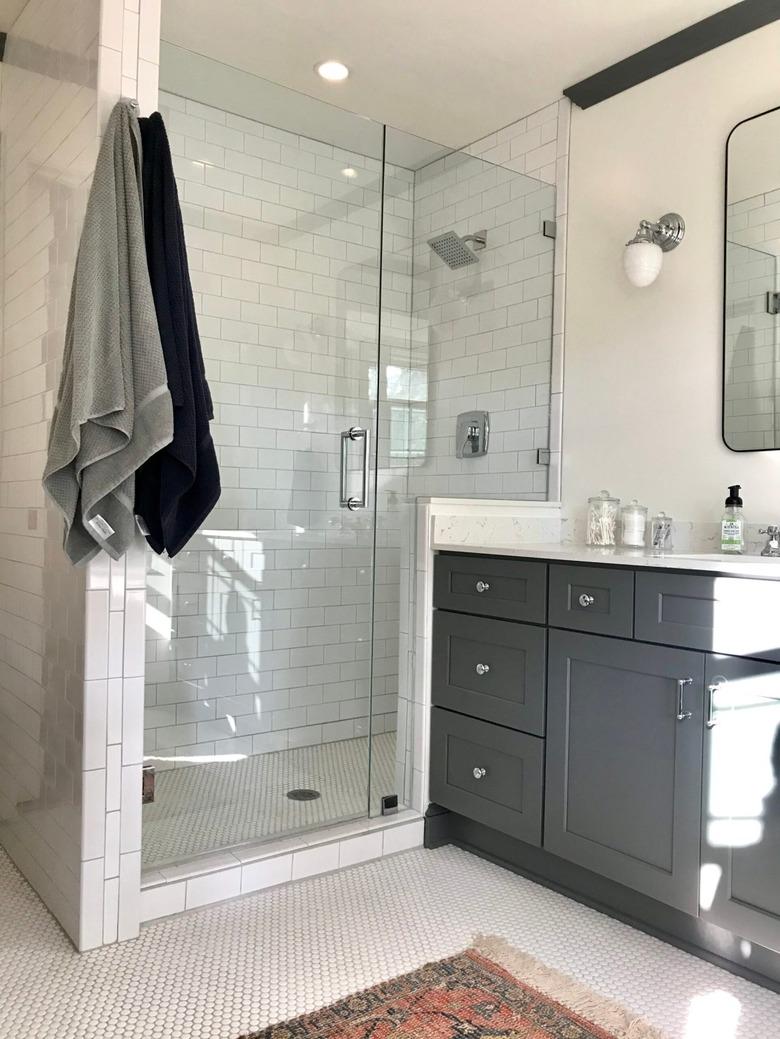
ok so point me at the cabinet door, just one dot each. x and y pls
(740, 878)
(623, 770)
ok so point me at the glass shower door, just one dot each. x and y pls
(259, 633)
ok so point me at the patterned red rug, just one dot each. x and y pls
(490, 991)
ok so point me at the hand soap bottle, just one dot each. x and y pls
(732, 524)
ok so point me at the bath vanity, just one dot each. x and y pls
(610, 726)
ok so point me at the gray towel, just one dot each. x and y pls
(113, 409)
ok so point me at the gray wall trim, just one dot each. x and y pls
(697, 39)
(708, 942)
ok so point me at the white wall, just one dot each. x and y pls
(643, 366)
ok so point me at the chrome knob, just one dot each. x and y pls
(482, 586)
(479, 773)
(482, 669)
(586, 600)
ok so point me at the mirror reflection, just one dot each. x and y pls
(751, 381)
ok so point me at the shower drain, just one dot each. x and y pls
(303, 794)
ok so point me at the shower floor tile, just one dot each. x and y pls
(202, 808)
(215, 973)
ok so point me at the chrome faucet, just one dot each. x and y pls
(772, 546)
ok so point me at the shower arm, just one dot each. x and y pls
(479, 238)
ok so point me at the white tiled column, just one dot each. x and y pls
(110, 910)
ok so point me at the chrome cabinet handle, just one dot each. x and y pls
(482, 586)
(482, 669)
(710, 720)
(345, 501)
(586, 600)
(479, 773)
(682, 714)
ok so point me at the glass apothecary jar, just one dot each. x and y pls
(661, 534)
(602, 524)
(633, 524)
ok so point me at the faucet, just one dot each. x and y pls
(772, 546)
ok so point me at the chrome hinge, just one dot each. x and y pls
(773, 302)
(542, 456)
(549, 228)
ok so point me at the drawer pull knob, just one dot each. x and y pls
(482, 586)
(586, 600)
(482, 669)
(479, 773)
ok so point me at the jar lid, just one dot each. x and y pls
(603, 496)
(634, 506)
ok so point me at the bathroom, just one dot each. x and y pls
(447, 290)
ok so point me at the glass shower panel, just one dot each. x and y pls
(471, 334)
(259, 633)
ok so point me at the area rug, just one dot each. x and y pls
(489, 991)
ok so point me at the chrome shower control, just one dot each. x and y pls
(482, 586)
(586, 600)
(482, 669)
(479, 773)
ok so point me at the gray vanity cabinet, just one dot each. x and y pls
(740, 877)
(624, 760)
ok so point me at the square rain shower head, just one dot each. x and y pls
(451, 248)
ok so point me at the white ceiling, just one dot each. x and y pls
(9, 12)
(448, 70)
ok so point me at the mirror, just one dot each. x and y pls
(751, 306)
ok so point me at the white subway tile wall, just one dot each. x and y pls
(485, 330)
(753, 269)
(48, 123)
(258, 633)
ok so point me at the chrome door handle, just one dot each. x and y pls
(482, 586)
(479, 773)
(345, 501)
(710, 720)
(482, 669)
(682, 714)
(586, 600)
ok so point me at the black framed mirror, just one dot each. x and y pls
(751, 286)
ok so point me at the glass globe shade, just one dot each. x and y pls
(642, 262)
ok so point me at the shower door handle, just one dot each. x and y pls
(346, 502)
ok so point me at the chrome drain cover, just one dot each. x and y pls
(303, 794)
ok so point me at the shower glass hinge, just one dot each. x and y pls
(389, 804)
(147, 785)
(549, 228)
(542, 456)
(773, 302)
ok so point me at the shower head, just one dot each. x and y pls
(451, 248)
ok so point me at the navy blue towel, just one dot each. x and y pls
(179, 486)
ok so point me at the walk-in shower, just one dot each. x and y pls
(280, 642)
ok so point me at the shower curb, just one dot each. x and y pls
(250, 868)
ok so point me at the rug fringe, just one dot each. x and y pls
(565, 990)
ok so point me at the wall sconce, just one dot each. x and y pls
(644, 254)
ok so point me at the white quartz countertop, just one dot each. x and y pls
(734, 566)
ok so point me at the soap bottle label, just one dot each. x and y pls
(731, 535)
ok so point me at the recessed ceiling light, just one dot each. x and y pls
(349, 172)
(333, 71)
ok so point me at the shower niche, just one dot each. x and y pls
(340, 285)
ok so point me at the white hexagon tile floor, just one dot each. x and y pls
(217, 972)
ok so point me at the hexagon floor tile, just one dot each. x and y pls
(240, 965)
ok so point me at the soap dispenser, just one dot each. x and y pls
(732, 524)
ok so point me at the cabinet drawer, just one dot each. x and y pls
(490, 669)
(732, 615)
(515, 589)
(594, 599)
(488, 773)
